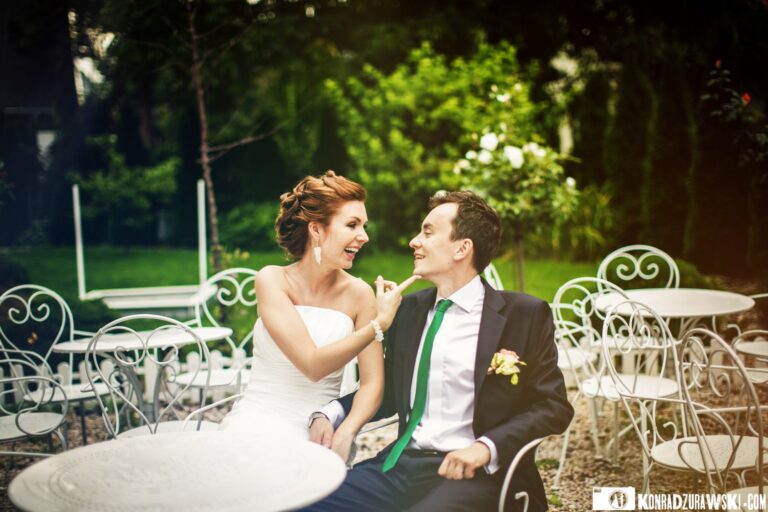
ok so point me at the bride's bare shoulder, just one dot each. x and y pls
(270, 276)
(361, 290)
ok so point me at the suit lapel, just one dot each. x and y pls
(492, 324)
(416, 325)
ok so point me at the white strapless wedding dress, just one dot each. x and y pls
(279, 399)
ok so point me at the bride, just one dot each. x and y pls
(314, 317)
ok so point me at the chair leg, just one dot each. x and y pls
(62, 435)
(81, 413)
(644, 428)
(615, 447)
(561, 464)
(594, 429)
(647, 479)
(8, 469)
(11, 463)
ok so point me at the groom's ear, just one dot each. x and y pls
(464, 250)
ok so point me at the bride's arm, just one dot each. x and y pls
(368, 397)
(290, 334)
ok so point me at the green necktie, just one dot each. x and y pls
(420, 400)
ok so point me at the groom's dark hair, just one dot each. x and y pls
(476, 220)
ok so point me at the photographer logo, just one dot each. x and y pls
(613, 498)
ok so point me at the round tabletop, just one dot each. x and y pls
(186, 471)
(680, 302)
(129, 341)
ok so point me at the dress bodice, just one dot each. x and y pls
(278, 394)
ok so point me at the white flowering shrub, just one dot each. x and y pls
(525, 183)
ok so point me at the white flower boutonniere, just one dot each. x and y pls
(505, 362)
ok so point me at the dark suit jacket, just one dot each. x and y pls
(509, 415)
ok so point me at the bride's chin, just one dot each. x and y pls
(344, 265)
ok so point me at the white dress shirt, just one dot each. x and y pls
(447, 421)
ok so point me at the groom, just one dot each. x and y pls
(459, 426)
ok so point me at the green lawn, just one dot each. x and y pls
(111, 267)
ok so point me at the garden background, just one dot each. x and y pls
(588, 124)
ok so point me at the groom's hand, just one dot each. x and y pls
(342, 442)
(461, 464)
(321, 431)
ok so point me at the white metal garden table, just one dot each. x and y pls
(115, 342)
(181, 472)
(689, 305)
(125, 341)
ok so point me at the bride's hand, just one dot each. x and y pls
(389, 294)
(341, 443)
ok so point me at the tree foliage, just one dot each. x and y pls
(126, 196)
(405, 130)
(640, 106)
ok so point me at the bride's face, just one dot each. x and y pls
(344, 235)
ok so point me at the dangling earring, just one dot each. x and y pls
(318, 254)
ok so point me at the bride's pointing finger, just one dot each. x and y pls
(408, 282)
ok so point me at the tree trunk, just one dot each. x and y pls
(205, 163)
(520, 261)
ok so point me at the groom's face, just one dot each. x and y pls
(433, 249)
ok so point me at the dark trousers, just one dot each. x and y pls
(412, 485)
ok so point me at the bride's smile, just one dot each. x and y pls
(345, 235)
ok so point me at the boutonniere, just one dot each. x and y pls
(505, 362)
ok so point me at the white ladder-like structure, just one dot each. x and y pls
(148, 299)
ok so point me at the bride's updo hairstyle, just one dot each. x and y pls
(312, 199)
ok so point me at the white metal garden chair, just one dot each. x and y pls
(579, 341)
(491, 275)
(233, 305)
(656, 380)
(641, 265)
(509, 476)
(726, 442)
(718, 427)
(34, 319)
(28, 408)
(752, 346)
(124, 410)
(760, 299)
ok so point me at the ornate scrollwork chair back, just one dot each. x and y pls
(637, 329)
(643, 265)
(726, 419)
(34, 318)
(578, 321)
(139, 359)
(234, 306)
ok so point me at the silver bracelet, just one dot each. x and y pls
(379, 334)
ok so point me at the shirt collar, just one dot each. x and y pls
(466, 296)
